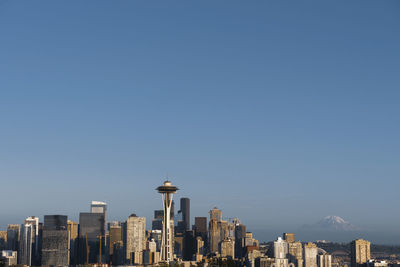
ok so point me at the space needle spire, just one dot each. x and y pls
(167, 250)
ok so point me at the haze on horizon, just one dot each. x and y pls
(278, 113)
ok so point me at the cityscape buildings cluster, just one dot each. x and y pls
(172, 240)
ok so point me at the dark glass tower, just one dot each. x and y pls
(240, 235)
(185, 209)
(91, 232)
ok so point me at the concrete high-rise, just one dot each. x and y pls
(295, 252)
(310, 255)
(55, 241)
(280, 249)
(167, 248)
(135, 239)
(360, 252)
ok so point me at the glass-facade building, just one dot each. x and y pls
(91, 231)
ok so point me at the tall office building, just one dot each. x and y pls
(240, 235)
(215, 229)
(295, 252)
(360, 252)
(91, 236)
(99, 207)
(200, 229)
(26, 244)
(13, 236)
(281, 249)
(310, 255)
(115, 237)
(135, 239)
(29, 250)
(55, 241)
(188, 245)
(200, 225)
(167, 190)
(73, 241)
(185, 210)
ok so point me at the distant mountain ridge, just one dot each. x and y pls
(332, 223)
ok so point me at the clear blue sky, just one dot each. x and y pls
(278, 112)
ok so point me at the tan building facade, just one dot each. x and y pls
(310, 255)
(135, 239)
(360, 252)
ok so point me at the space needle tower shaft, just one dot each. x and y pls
(167, 250)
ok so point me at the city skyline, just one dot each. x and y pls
(279, 114)
(339, 233)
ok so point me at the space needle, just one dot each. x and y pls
(167, 250)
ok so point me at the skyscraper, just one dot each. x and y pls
(185, 210)
(13, 236)
(55, 241)
(91, 236)
(115, 237)
(200, 229)
(73, 241)
(360, 252)
(135, 235)
(26, 245)
(295, 253)
(29, 253)
(188, 245)
(240, 235)
(215, 229)
(280, 249)
(99, 207)
(167, 190)
(310, 255)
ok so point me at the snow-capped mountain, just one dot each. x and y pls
(332, 223)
